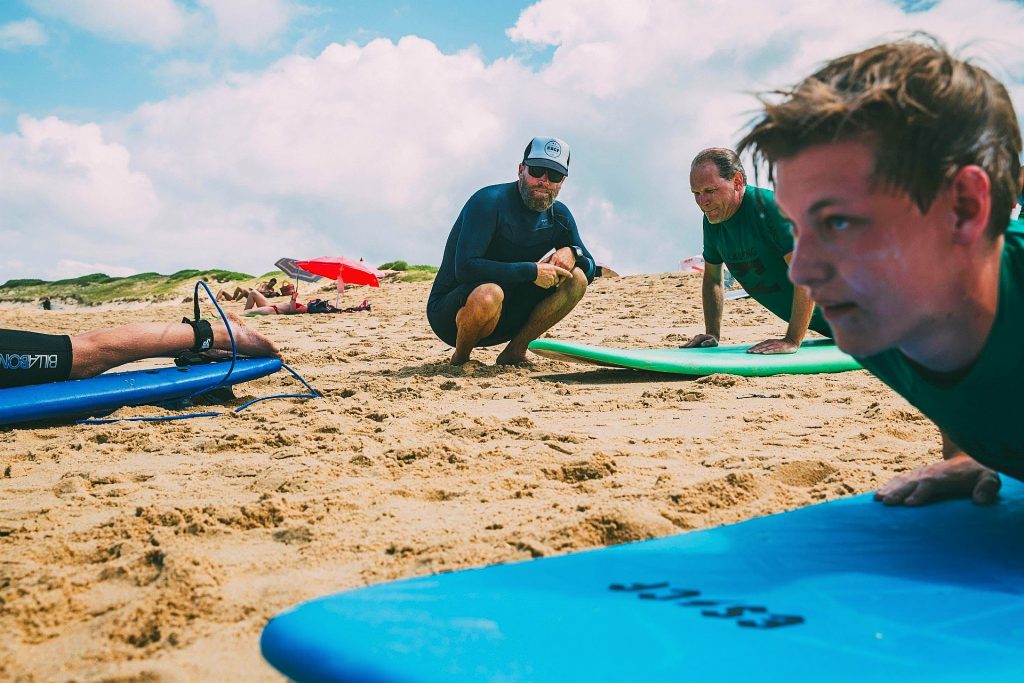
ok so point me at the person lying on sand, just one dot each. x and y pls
(36, 358)
(494, 284)
(257, 304)
(265, 288)
(898, 167)
(744, 230)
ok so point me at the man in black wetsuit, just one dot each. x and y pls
(514, 264)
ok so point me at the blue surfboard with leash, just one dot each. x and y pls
(848, 590)
(63, 401)
(100, 395)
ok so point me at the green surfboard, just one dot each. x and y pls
(818, 355)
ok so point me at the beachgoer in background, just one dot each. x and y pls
(257, 304)
(744, 230)
(495, 284)
(46, 304)
(239, 293)
(265, 288)
(36, 358)
(899, 166)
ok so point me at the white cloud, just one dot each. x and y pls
(361, 150)
(18, 34)
(156, 23)
(371, 150)
(164, 24)
(67, 193)
(250, 24)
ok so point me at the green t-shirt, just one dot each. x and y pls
(753, 244)
(981, 409)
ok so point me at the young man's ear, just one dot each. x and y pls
(972, 203)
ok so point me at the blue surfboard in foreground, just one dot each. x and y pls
(101, 394)
(843, 591)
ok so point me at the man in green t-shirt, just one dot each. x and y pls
(744, 230)
(899, 166)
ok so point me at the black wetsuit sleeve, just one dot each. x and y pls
(587, 264)
(479, 222)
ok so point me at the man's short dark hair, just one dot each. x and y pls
(726, 160)
(926, 113)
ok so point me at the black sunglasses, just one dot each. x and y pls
(539, 171)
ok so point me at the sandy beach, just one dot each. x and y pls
(156, 552)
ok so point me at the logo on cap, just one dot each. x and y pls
(553, 149)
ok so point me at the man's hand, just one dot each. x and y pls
(563, 258)
(701, 341)
(770, 346)
(549, 275)
(958, 477)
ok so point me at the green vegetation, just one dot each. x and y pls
(410, 273)
(22, 283)
(415, 274)
(211, 275)
(100, 288)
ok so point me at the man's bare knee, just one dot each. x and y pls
(576, 285)
(485, 300)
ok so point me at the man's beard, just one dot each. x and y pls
(535, 202)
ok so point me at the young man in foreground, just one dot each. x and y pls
(898, 167)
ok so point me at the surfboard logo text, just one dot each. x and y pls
(746, 616)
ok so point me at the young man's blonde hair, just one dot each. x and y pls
(925, 112)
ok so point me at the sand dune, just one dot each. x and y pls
(157, 551)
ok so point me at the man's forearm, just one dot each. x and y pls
(469, 270)
(800, 316)
(713, 301)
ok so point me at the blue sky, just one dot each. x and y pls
(254, 129)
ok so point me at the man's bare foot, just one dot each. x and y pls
(507, 357)
(513, 354)
(248, 342)
(958, 477)
(459, 358)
